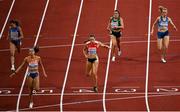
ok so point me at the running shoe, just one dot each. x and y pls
(113, 58)
(12, 68)
(95, 89)
(163, 60)
(31, 105)
(119, 53)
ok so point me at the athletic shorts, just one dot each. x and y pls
(33, 75)
(116, 34)
(16, 42)
(92, 60)
(161, 35)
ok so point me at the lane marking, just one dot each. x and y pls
(98, 100)
(7, 17)
(90, 94)
(70, 56)
(107, 67)
(148, 55)
(76, 45)
(37, 37)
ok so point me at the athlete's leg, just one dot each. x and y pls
(30, 86)
(165, 45)
(94, 75)
(12, 52)
(88, 68)
(119, 45)
(114, 43)
(36, 83)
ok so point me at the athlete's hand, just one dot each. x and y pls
(175, 28)
(12, 75)
(45, 75)
(152, 32)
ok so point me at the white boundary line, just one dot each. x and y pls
(20, 92)
(148, 55)
(70, 56)
(7, 17)
(37, 37)
(68, 45)
(98, 100)
(89, 94)
(107, 68)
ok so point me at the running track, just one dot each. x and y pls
(126, 77)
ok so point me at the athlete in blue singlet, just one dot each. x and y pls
(33, 62)
(163, 34)
(15, 35)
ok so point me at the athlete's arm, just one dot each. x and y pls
(103, 45)
(155, 22)
(44, 72)
(170, 20)
(85, 52)
(21, 33)
(22, 64)
(122, 24)
(109, 25)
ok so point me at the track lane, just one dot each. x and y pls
(94, 18)
(165, 74)
(129, 69)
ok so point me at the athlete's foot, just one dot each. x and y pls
(31, 105)
(119, 53)
(12, 68)
(113, 58)
(95, 89)
(163, 60)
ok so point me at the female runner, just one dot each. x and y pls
(33, 62)
(15, 36)
(90, 52)
(115, 27)
(163, 34)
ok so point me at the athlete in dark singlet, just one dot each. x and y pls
(115, 27)
(90, 52)
(163, 34)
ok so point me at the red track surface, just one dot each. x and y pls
(127, 73)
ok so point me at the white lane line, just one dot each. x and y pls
(37, 37)
(20, 92)
(88, 94)
(107, 68)
(7, 17)
(148, 55)
(70, 56)
(42, 20)
(99, 100)
(68, 45)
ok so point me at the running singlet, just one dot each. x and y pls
(33, 64)
(115, 23)
(163, 24)
(14, 33)
(92, 47)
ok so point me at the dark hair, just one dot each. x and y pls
(16, 22)
(91, 35)
(36, 49)
(117, 11)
